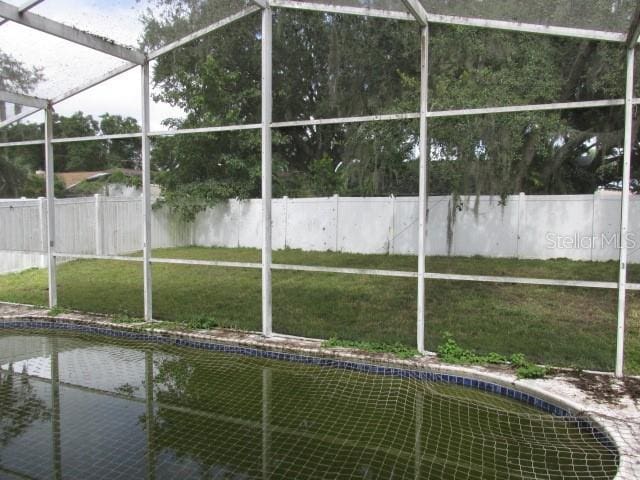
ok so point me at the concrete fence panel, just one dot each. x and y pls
(579, 227)
(485, 226)
(312, 223)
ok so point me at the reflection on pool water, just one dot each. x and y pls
(77, 406)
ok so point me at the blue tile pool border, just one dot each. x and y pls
(584, 423)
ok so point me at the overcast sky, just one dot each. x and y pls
(66, 65)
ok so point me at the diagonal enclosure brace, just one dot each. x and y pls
(417, 10)
(634, 29)
(24, 7)
(21, 99)
(71, 34)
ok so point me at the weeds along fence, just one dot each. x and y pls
(579, 227)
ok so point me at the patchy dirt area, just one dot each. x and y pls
(612, 403)
(604, 388)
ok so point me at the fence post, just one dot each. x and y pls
(99, 220)
(42, 202)
(285, 205)
(392, 230)
(595, 208)
(42, 219)
(522, 211)
(336, 198)
(194, 229)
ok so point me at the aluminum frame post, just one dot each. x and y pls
(267, 104)
(99, 221)
(146, 195)
(51, 208)
(624, 212)
(423, 175)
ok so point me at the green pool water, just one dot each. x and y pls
(77, 406)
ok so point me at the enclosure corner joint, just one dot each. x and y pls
(634, 29)
(417, 10)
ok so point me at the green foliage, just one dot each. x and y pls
(57, 310)
(125, 317)
(11, 178)
(450, 352)
(16, 77)
(127, 390)
(201, 322)
(320, 180)
(21, 405)
(324, 69)
(518, 360)
(98, 155)
(525, 368)
(531, 370)
(379, 160)
(18, 164)
(398, 349)
(34, 186)
(199, 171)
(78, 156)
(495, 358)
(121, 153)
(555, 326)
(118, 176)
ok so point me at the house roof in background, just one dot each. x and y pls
(71, 179)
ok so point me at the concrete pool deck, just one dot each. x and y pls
(619, 414)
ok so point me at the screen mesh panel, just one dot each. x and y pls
(604, 15)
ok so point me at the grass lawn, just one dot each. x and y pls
(559, 326)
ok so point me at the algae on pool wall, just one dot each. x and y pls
(81, 406)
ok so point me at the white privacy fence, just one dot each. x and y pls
(92, 225)
(579, 227)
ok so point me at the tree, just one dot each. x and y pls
(20, 405)
(124, 153)
(14, 77)
(196, 171)
(217, 82)
(34, 186)
(19, 171)
(78, 156)
(329, 65)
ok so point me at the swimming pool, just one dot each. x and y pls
(79, 402)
